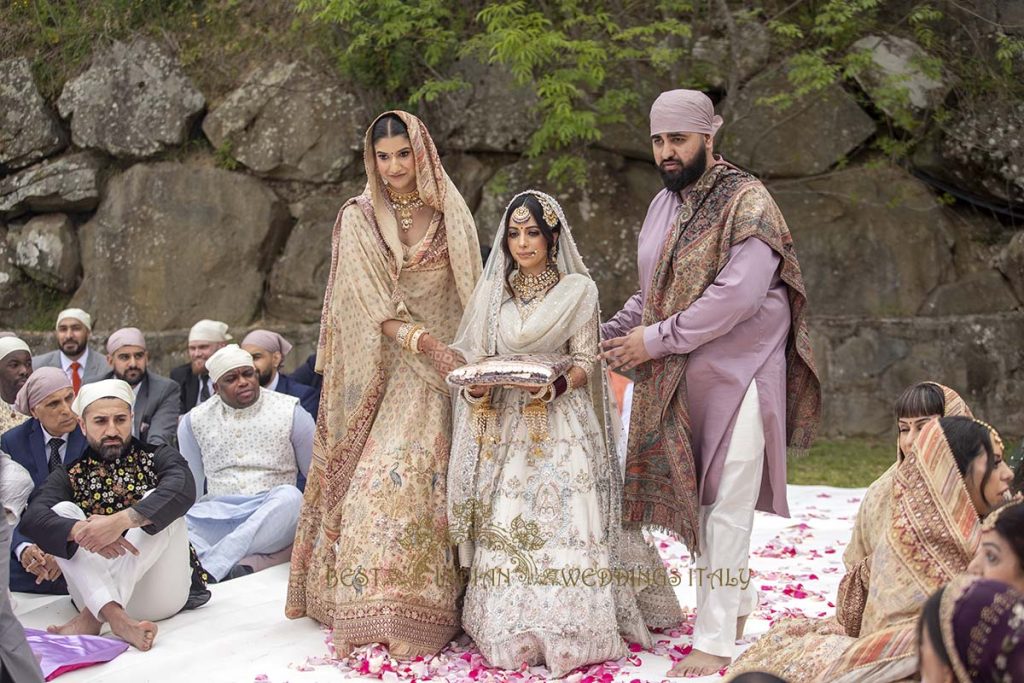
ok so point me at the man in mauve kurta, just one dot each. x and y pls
(725, 378)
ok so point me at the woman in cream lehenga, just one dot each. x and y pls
(953, 476)
(371, 556)
(534, 488)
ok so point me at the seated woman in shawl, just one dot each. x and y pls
(918, 405)
(535, 508)
(972, 630)
(371, 556)
(953, 476)
(1001, 554)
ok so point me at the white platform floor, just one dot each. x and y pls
(242, 636)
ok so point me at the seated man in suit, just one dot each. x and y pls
(157, 399)
(114, 520)
(268, 350)
(50, 440)
(205, 337)
(15, 367)
(246, 446)
(72, 355)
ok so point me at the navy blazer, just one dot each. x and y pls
(309, 398)
(307, 374)
(26, 444)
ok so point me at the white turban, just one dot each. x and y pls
(227, 358)
(107, 388)
(78, 314)
(9, 345)
(209, 331)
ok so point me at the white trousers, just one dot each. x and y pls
(150, 586)
(725, 528)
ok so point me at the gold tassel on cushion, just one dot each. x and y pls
(536, 415)
(485, 419)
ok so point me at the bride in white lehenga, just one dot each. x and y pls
(537, 518)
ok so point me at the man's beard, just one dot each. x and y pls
(198, 366)
(129, 379)
(266, 377)
(687, 175)
(109, 452)
(72, 348)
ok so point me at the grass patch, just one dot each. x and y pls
(852, 463)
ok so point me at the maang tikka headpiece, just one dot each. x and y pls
(521, 213)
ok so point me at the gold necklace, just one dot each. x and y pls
(529, 287)
(404, 205)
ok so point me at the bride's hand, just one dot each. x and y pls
(478, 390)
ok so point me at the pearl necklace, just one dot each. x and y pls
(404, 205)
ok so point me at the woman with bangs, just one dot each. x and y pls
(953, 476)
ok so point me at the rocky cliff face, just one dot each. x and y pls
(143, 201)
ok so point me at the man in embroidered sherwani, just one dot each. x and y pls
(247, 446)
(15, 367)
(114, 522)
(725, 378)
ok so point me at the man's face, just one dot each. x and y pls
(199, 352)
(129, 363)
(239, 387)
(72, 336)
(107, 424)
(266, 362)
(15, 368)
(54, 412)
(681, 158)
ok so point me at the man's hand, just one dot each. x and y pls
(39, 564)
(627, 352)
(102, 533)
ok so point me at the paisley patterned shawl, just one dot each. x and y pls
(661, 479)
(367, 259)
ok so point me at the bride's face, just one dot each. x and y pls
(528, 246)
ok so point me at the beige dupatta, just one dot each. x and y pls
(871, 524)
(932, 534)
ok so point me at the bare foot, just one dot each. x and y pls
(141, 634)
(84, 624)
(698, 663)
(741, 625)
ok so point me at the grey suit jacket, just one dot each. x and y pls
(156, 410)
(96, 367)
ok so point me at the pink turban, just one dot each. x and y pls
(269, 341)
(684, 111)
(40, 384)
(126, 336)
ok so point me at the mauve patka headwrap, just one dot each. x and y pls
(684, 111)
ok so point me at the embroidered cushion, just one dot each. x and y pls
(528, 369)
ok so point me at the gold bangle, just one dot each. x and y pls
(402, 336)
(546, 396)
(414, 339)
(413, 329)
